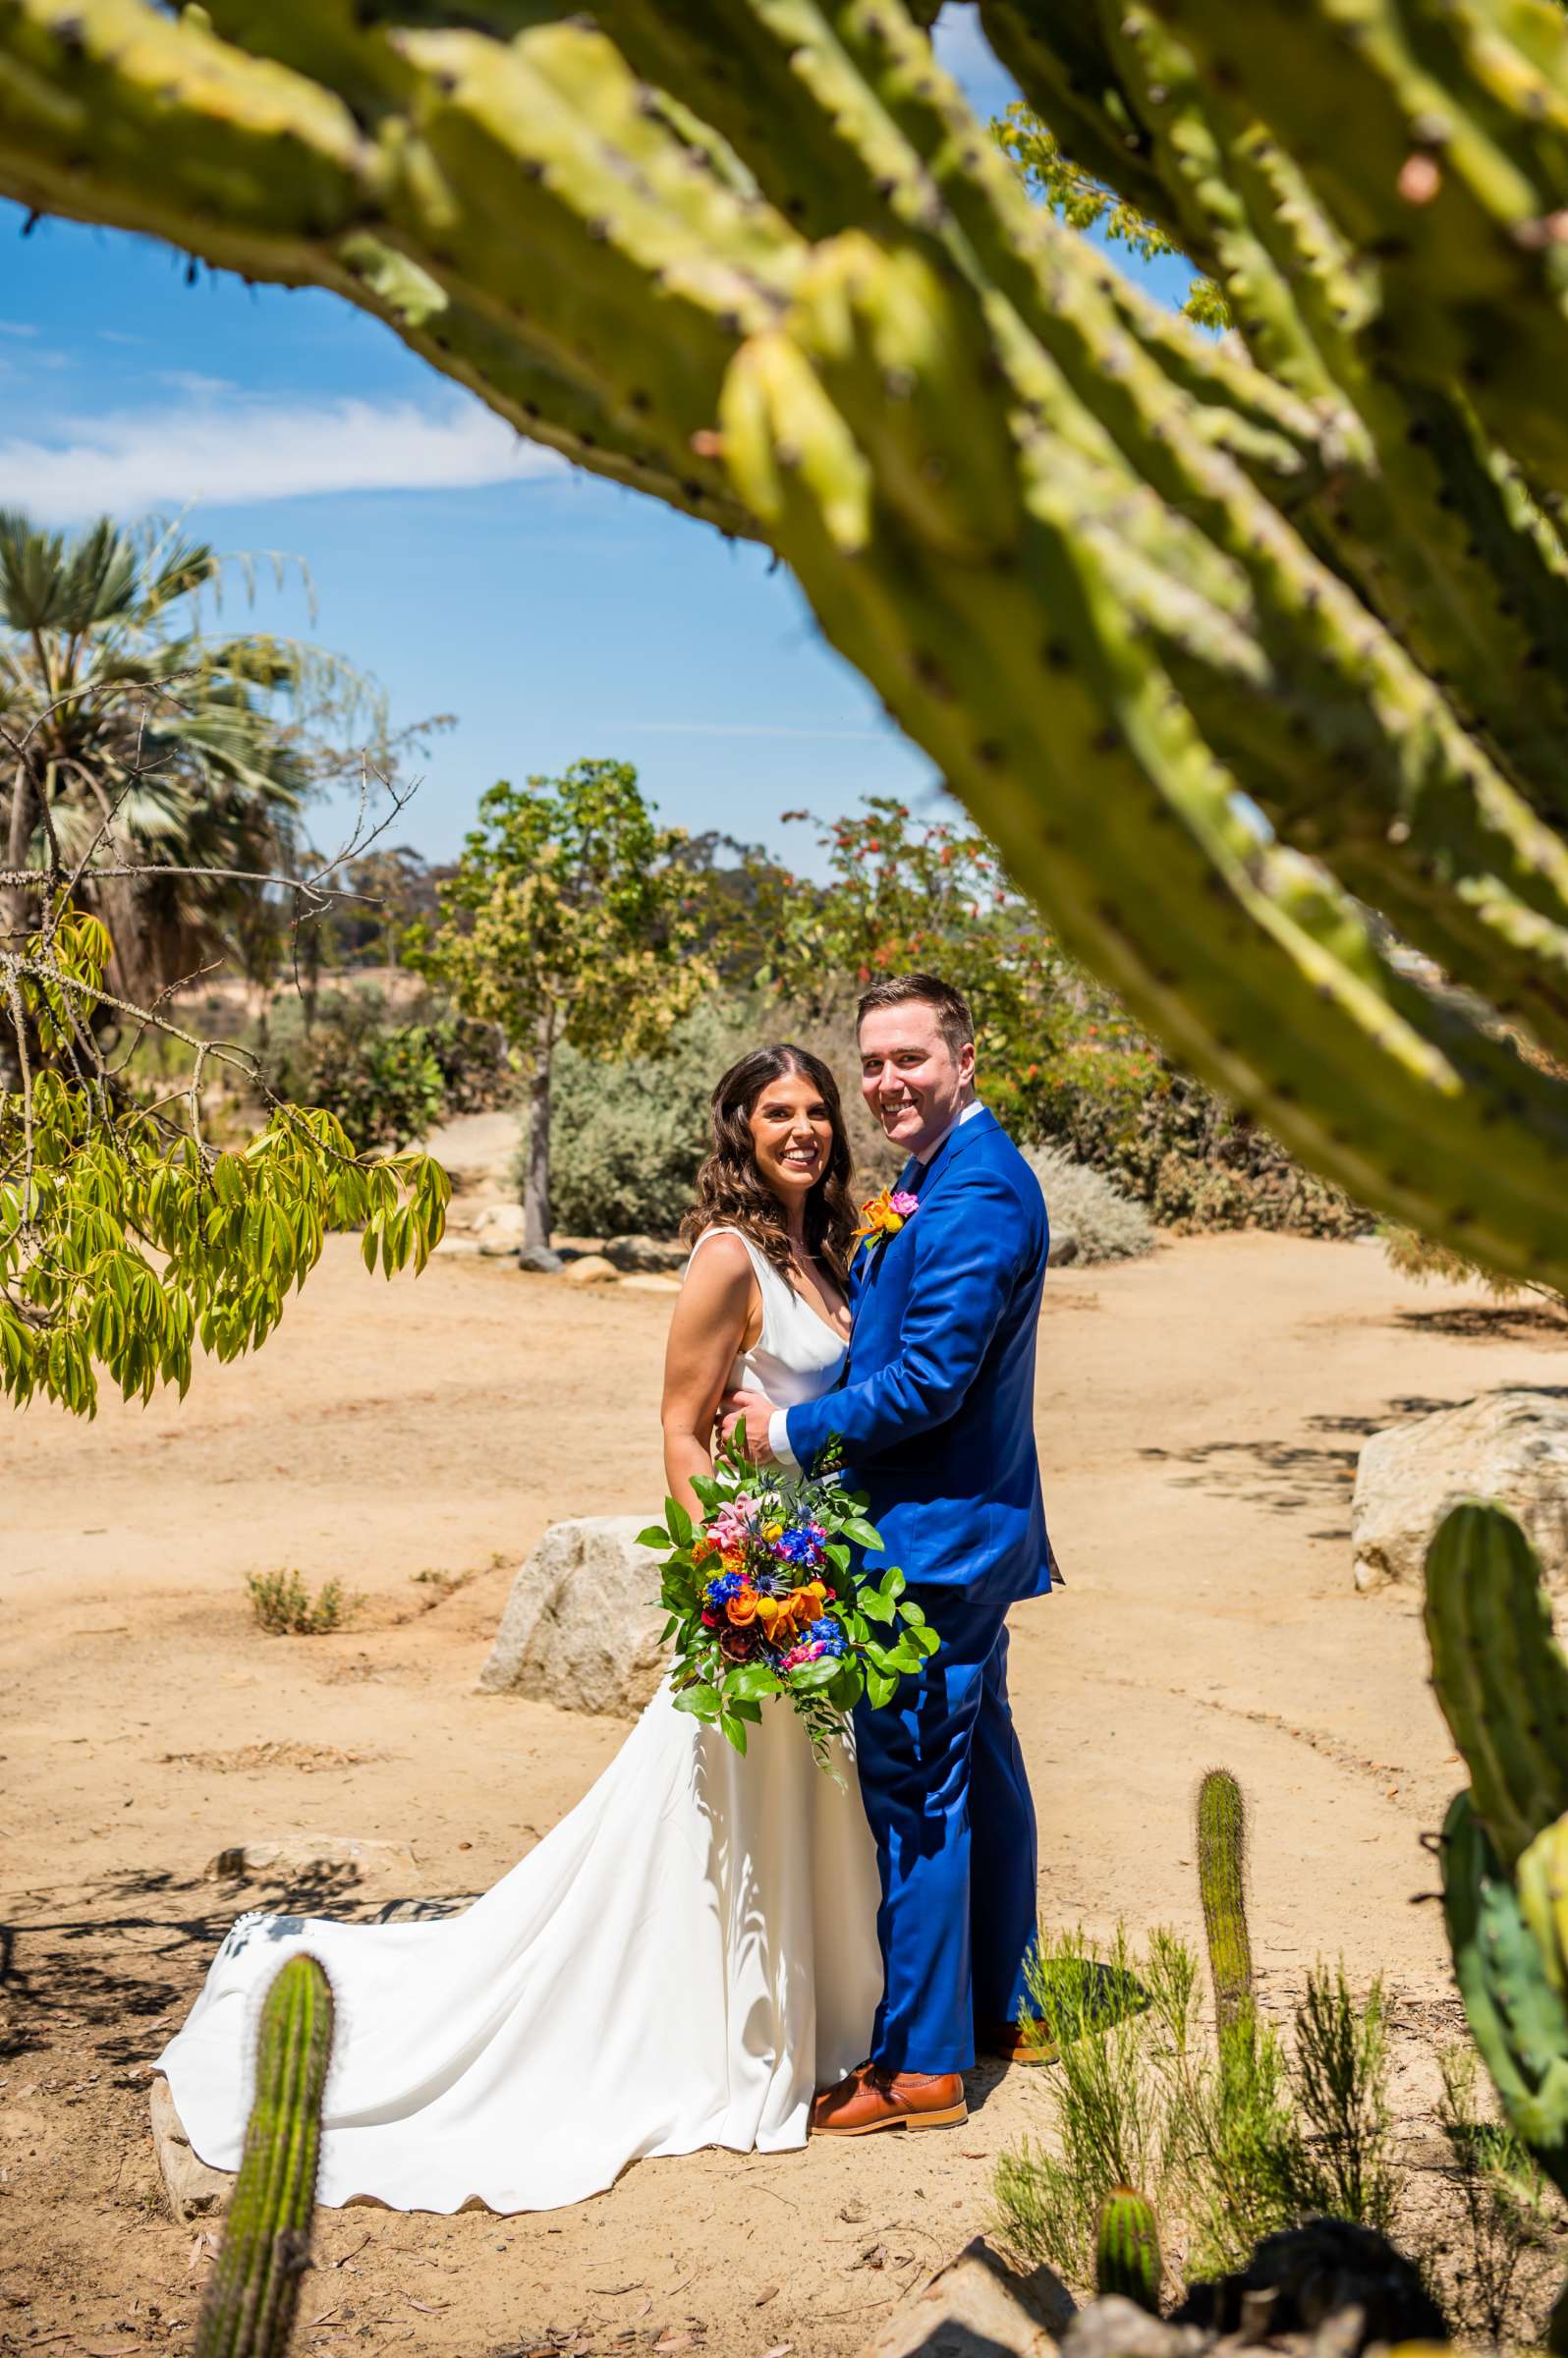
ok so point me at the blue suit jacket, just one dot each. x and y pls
(935, 1404)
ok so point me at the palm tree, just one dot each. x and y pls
(128, 734)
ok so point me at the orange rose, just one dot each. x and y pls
(741, 1609)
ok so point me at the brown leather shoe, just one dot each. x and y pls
(871, 2099)
(1015, 2044)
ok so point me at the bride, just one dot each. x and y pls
(690, 1952)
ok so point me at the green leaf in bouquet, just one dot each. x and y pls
(815, 1675)
(924, 1639)
(875, 1606)
(733, 1729)
(880, 1657)
(860, 1629)
(845, 1692)
(707, 1489)
(669, 1629)
(752, 1678)
(749, 1712)
(880, 1688)
(910, 1610)
(893, 1582)
(837, 1554)
(702, 1700)
(654, 1535)
(680, 1522)
(860, 1533)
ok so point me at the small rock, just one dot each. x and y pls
(582, 1624)
(591, 1269)
(650, 1285)
(459, 1248)
(497, 1247)
(1064, 1248)
(976, 2307)
(1508, 1445)
(501, 1222)
(540, 1261)
(310, 1859)
(189, 2188)
(646, 1255)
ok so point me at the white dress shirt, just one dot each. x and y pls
(778, 1439)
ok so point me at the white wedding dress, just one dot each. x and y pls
(680, 1963)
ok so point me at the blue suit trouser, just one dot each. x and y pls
(945, 1792)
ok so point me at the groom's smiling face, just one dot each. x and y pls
(914, 1083)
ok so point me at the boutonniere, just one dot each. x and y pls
(883, 1217)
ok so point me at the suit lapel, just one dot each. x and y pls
(917, 1180)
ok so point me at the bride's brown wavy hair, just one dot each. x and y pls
(731, 1192)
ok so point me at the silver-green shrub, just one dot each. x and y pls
(626, 1139)
(1083, 1204)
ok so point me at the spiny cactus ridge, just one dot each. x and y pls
(1221, 1815)
(1252, 657)
(1127, 2256)
(254, 2290)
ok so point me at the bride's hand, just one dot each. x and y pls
(754, 1410)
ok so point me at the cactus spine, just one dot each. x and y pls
(251, 2302)
(757, 259)
(1222, 1887)
(1127, 2258)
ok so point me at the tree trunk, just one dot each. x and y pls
(536, 1182)
(18, 914)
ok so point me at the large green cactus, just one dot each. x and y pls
(1255, 662)
(1502, 1683)
(254, 2290)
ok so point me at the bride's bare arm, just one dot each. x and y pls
(717, 1317)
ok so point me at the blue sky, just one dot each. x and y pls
(553, 615)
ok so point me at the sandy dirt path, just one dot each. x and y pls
(1198, 1418)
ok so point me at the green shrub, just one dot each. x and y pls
(627, 1139)
(1180, 1151)
(1230, 2133)
(1083, 1204)
(1511, 2223)
(285, 1609)
(388, 1078)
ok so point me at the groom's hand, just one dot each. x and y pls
(753, 1410)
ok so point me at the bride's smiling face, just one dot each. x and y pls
(791, 1137)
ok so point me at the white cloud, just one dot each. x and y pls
(202, 388)
(243, 452)
(17, 328)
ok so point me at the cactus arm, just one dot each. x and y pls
(1203, 928)
(1500, 1678)
(254, 2288)
(1517, 2016)
(1127, 2255)
(1470, 270)
(1496, 900)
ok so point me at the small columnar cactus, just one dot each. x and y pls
(254, 2290)
(1222, 1885)
(1127, 2259)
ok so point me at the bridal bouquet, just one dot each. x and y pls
(763, 1600)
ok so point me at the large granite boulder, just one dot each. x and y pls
(190, 2187)
(646, 1255)
(1507, 1446)
(582, 1624)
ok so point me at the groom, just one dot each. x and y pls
(935, 1412)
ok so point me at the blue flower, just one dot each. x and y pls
(828, 1635)
(800, 1546)
(720, 1591)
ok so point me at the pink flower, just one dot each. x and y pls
(904, 1205)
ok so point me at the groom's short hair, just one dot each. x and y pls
(953, 1018)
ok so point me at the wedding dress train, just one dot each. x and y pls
(679, 1963)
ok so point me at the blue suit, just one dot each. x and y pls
(935, 1412)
